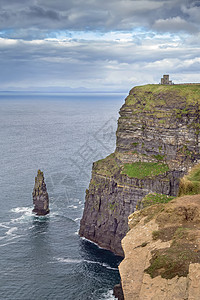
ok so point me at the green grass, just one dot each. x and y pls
(190, 183)
(153, 198)
(141, 170)
(152, 95)
(159, 157)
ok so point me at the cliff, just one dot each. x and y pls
(157, 142)
(162, 252)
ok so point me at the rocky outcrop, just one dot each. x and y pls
(40, 196)
(162, 252)
(118, 292)
(157, 142)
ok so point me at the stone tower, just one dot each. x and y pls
(40, 196)
(165, 80)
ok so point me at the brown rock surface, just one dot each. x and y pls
(168, 232)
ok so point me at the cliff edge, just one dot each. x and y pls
(157, 142)
(162, 252)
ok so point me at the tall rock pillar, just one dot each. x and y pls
(40, 196)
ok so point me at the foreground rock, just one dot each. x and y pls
(40, 196)
(118, 292)
(157, 142)
(162, 252)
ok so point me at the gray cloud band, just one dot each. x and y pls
(176, 15)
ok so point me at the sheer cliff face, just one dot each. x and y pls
(157, 141)
(160, 122)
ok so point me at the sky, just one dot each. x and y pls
(97, 45)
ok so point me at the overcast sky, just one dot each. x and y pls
(102, 45)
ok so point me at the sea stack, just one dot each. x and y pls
(40, 196)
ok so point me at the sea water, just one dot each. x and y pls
(61, 134)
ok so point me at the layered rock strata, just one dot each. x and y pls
(40, 196)
(162, 252)
(157, 142)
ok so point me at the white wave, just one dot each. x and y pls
(78, 261)
(11, 230)
(72, 206)
(108, 267)
(101, 264)
(21, 209)
(83, 238)
(77, 219)
(20, 219)
(4, 226)
(27, 214)
(8, 241)
(6, 244)
(69, 260)
(108, 296)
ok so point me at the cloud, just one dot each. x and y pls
(99, 45)
(99, 15)
(175, 24)
(96, 65)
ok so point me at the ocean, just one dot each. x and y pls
(61, 134)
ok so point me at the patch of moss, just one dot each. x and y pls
(159, 157)
(141, 170)
(167, 234)
(173, 261)
(112, 206)
(135, 144)
(180, 233)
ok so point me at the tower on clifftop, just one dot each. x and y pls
(165, 80)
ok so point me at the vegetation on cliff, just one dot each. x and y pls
(174, 260)
(153, 198)
(107, 166)
(144, 169)
(152, 95)
(190, 183)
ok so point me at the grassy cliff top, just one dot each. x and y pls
(165, 95)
